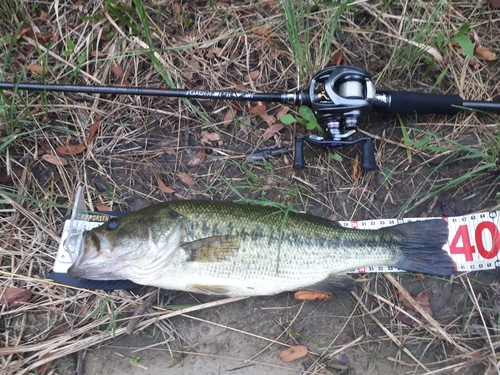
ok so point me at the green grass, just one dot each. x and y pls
(484, 162)
(13, 12)
(310, 42)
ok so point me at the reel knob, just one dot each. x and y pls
(368, 162)
(298, 160)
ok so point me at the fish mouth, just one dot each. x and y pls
(95, 261)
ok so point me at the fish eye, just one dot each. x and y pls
(112, 224)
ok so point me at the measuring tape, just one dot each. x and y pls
(473, 240)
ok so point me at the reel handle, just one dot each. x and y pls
(367, 154)
(298, 160)
(368, 162)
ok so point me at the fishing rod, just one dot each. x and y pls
(339, 97)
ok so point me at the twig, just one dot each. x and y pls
(146, 304)
(389, 333)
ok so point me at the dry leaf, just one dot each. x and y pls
(215, 51)
(261, 31)
(195, 64)
(163, 187)
(4, 177)
(235, 106)
(197, 159)
(258, 109)
(188, 74)
(122, 81)
(19, 57)
(102, 207)
(458, 49)
(494, 3)
(228, 117)
(484, 53)
(43, 38)
(274, 54)
(117, 70)
(184, 177)
(71, 149)
(44, 15)
(337, 58)
(14, 297)
(57, 37)
(311, 296)
(100, 184)
(15, 243)
(252, 75)
(269, 119)
(422, 300)
(25, 31)
(272, 130)
(168, 150)
(207, 137)
(405, 319)
(42, 368)
(177, 9)
(93, 131)
(293, 353)
(475, 63)
(283, 111)
(60, 326)
(44, 147)
(54, 159)
(98, 54)
(35, 68)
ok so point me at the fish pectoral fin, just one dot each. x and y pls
(211, 249)
(209, 289)
(335, 283)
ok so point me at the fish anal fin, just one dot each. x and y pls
(209, 289)
(334, 283)
(211, 249)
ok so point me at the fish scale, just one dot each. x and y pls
(241, 249)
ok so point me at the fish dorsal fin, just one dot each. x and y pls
(209, 289)
(211, 249)
(335, 283)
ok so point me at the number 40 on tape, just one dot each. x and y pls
(462, 244)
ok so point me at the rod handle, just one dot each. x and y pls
(406, 102)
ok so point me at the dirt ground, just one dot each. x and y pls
(127, 150)
(246, 337)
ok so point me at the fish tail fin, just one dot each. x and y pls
(422, 247)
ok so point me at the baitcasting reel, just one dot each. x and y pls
(339, 97)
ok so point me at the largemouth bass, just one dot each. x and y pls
(236, 249)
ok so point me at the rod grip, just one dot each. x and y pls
(406, 102)
(298, 160)
(368, 162)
